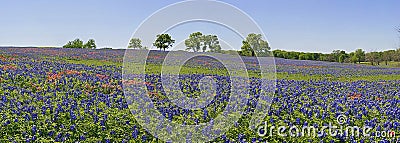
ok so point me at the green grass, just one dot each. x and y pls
(390, 64)
(333, 78)
(156, 69)
(93, 62)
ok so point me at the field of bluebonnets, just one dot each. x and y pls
(76, 95)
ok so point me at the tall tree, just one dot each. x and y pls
(211, 42)
(369, 57)
(378, 57)
(163, 41)
(373, 57)
(246, 49)
(135, 43)
(90, 44)
(259, 46)
(388, 56)
(360, 54)
(194, 42)
(341, 59)
(354, 58)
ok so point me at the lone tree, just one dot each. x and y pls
(258, 45)
(90, 44)
(163, 41)
(77, 43)
(135, 43)
(194, 42)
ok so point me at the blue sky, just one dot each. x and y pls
(306, 25)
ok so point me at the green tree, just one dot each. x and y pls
(303, 57)
(323, 57)
(335, 55)
(341, 58)
(378, 57)
(194, 42)
(369, 57)
(293, 55)
(90, 44)
(211, 42)
(354, 58)
(338, 56)
(278, 53)
(259, 46)
(246, 49)
(388, 55)
(163, 41)
(373, 57)
(77, 43)
(360, 55)
(135, 43)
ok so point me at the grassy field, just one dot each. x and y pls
(80, 95)
(390, 64)
(156, 69)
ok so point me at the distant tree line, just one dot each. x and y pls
(253, 45)
(358, 56)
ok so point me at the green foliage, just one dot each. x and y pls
(211, 41)
(258, 47)
(194, 42)
(163, 41)
(338, 56)
(389, 55)
(297, 55)
(375, 58)
(135, 43)
(77, 43)
(246, 49)
(354, 59)
(197, 41)
(90, 44)
(360, 54)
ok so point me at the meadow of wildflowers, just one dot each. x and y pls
(50, 95)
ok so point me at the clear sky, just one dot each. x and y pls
(306, 25)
